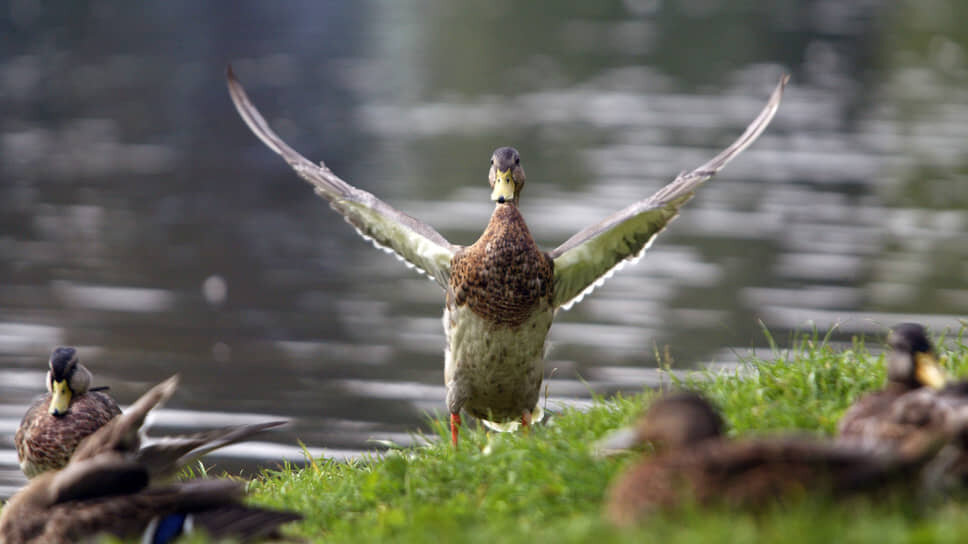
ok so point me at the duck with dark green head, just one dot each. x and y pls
(57, 422)
(502, 291)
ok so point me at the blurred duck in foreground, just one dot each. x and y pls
(696, 464)
(114, 486)
(57, 422)
(917, 401)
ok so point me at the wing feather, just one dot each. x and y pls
(410, 239)
(591, 256)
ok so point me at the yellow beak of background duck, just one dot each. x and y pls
(928, 372)
(503, 186)
(60, 398)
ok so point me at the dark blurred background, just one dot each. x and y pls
(141, 221)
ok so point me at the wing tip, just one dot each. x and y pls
(235, 87)
(774, 102)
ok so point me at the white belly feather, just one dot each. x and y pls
(495, 370)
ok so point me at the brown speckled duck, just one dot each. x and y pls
(57, 422)
(918, 401)
(502, 291)
(695, 464)
(114, 486)
(894, 413)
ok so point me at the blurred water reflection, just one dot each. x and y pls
(141, 222)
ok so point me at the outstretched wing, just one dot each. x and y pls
(410, 239)
(588, 258)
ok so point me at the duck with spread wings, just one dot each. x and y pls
(502, 291)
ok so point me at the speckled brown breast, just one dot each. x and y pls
(45, 442)
(503, 275)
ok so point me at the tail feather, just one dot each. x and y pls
(215, 507)
(243, 522)
(122, 433)
(167, 456)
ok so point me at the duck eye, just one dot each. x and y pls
(517, 160)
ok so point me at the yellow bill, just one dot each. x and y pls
(928, 372)
(60, 398)
(503, 186)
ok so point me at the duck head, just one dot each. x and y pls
(679, 420)
(673, 421)
(506, 175)
(912, 360)
(66, 379)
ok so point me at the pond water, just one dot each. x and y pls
(141, 221)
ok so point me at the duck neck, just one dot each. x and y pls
(505, 212)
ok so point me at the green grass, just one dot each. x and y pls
(547, 484)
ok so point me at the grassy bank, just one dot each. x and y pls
(547, 485)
